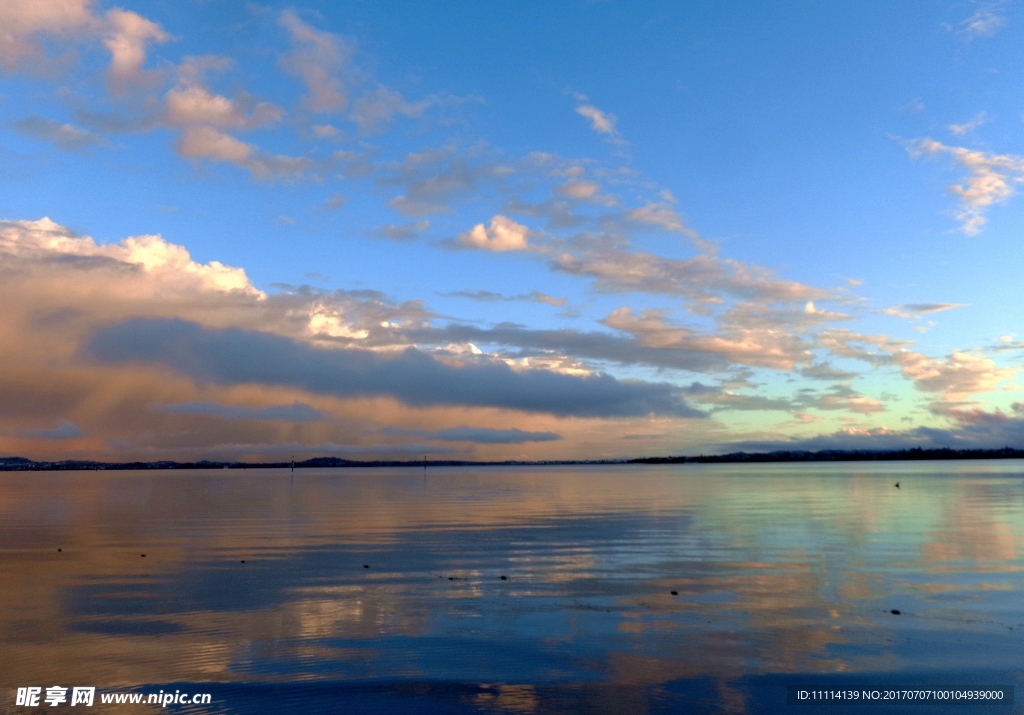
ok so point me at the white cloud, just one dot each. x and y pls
(583, 190)
(333, 202)
(317, 58)
(64, 136)
(403, 232)
(842, 397)
(23, 21)
(991, 179)
(126, 37)
(504, 234)
(704, 278)
(969, 126)
(168, 264)
(600, 122)
(325, 131)
(760, 347)
(208, 143)
(375, 110)
(203, 116)
(916, 310)
(985, 22)
(659, 214)
(24, 24)
(191, 103)
(960, 375)
(486, 296)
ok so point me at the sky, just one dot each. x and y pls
(490, 231)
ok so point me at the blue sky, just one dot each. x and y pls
(516, 230)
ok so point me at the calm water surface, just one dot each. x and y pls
(381, 590)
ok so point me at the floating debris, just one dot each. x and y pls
(366, 566)
(675, 593)
(504, 578)
(894, 612)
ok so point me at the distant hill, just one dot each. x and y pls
(839, 455)
(20, 464)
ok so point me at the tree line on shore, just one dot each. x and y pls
(21, 464)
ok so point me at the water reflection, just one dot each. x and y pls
(384, 585)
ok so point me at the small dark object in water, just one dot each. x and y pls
(143, 556)
(504, 578)
(366, 566)
(243, 561)
(894, 612)
(58, 549)
(675, 593)
(897, 485)
(450, 578)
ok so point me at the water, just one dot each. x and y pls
(785, 575)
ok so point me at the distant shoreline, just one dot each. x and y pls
(21, 464)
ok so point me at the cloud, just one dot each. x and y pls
(725, 400)
(166, 264)
(840, 397)
(486, 296)
(959, 375)
(64, 430)
(916, 310)
(972, 429)
(236, 357)
(763, 348)
(24, 21)
(126, 36)
(558, 213)
(209, 143)
(480, 435)
(701, 278)
(25, 24)
(375, 110)
(600, 122)
(659, 214)
(824, 371)
(504, 234)
(295, 412)
(589, 345)
(403, 232)
(137, 342)
(985, 22)
(334, 202)
(432, 179)
(191, 103)
(583, 190)
(205, 142)
(969, 126)
(325, 131)
(63, 136)
(991, 179)
(203, 117)
(317, 58)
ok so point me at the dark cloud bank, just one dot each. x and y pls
(233, 356)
